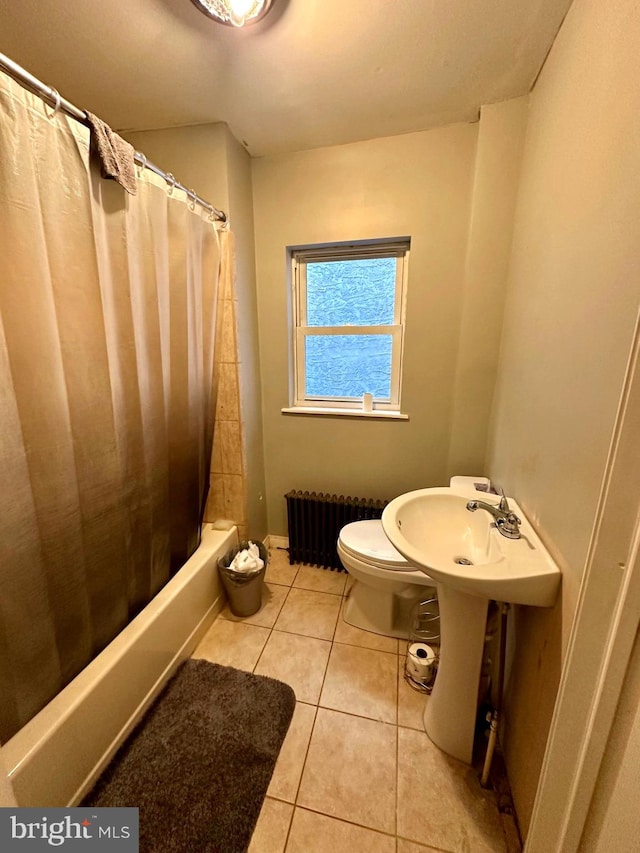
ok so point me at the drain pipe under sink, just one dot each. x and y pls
(495, 716)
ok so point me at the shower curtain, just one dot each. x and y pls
(107, 328)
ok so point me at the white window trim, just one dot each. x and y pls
(350, 406)
(376, 414)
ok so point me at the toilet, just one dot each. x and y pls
(386, 587)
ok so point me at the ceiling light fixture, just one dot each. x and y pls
(235, 13)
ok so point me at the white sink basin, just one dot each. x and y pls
(434, 530)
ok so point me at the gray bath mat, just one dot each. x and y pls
(199, 764)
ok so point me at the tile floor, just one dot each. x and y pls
(356, 773)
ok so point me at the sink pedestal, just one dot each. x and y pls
(450, 715)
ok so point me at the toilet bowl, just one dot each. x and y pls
(386, 587)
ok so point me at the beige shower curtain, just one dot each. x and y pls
(107, 316)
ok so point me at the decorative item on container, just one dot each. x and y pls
(423, 647)
(242, 573)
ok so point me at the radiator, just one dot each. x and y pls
(315, 520)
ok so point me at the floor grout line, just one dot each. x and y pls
(290, 587)
(298, 634)
(286, 839)
(306, 754)
(350, 822)
(272, 628)
(364, 648)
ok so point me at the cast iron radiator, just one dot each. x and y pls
(315, 520)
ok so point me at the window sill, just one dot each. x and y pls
(345, 413)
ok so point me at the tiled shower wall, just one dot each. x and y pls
(228, 491)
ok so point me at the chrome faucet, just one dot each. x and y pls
(507, 521)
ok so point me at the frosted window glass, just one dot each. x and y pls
(351, 293)
(348, 366)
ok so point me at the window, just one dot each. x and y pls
(348, 324)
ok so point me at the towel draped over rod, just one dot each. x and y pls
(52, 96)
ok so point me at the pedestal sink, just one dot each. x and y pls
(471, 564)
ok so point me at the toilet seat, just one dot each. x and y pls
(364, 549)
(367, 541)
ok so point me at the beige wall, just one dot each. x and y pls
(209, 159)
(195, 155)
(571, 308)
(501, 133)
(418, 185)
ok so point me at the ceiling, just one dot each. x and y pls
(312, 73)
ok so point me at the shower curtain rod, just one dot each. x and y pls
(52, 95)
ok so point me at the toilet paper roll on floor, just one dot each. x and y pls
(420, 660)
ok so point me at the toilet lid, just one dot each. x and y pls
(368, 539)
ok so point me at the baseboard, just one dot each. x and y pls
(276, 541)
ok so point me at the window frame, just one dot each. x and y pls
(300, 259)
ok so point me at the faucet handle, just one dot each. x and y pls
(504, 503)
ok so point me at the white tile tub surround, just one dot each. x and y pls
(56, 758)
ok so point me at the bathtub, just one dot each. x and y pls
(56, 757)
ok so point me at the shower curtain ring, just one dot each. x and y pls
(57, 101)
(171, 181)
(193, 196)
(143, 161)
